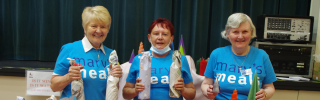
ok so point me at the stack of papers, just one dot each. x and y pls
(293, 78)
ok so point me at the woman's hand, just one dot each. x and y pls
(260, 95)
(210, 93)
(179, 85)
(206, 88)
(139, 86)
(74, 73)
(116, 71)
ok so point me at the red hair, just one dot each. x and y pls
(162, 22)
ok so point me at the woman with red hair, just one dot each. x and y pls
(161, 35)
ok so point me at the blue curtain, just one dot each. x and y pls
(36, 29)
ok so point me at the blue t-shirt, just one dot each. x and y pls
(160, 75)
(94, 73)
(221, 64)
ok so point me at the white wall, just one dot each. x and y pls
(12, 86)
(315, 11)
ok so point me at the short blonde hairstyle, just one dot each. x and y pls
(96, 13)
(234, 21)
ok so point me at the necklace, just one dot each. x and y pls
(242, 62)
(98, 53)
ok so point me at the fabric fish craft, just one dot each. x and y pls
(77, 89)
(112, 82)
(216, 86)
(145, 75)
(175, 74)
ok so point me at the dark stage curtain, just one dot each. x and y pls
(36, 29)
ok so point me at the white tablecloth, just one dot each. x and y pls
(197, 79)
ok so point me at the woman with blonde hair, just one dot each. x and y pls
(92, 56)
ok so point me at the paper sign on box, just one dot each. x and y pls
(38, 83)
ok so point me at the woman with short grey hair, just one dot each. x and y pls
(234, 66)
(234, 21)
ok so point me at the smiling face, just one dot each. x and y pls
(96, 32)
(241, 36)
(160, 37)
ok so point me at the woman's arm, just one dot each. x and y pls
(206, 88)
(116, 71)
(269, 89)
(59, 82)
(187, 90)
(270, 78)
(131, 90)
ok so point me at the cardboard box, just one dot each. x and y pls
(316, 71)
